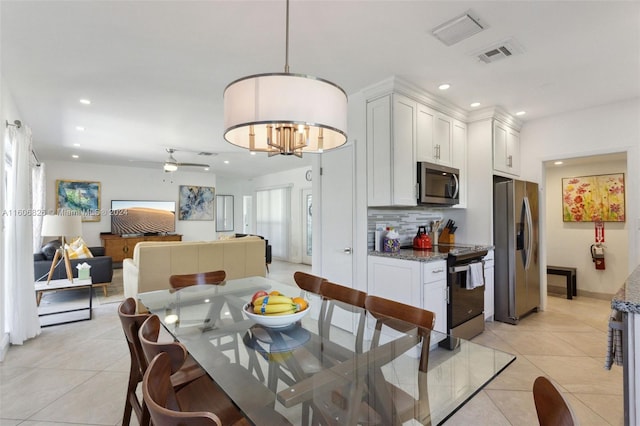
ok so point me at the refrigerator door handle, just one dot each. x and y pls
(529, 249)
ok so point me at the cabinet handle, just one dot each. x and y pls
(510, 161)
(125, 249)
(348, 250)
(437, 271)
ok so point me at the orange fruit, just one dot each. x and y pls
(301, 303)
(275, 293)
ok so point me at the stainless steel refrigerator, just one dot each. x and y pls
(515, 235)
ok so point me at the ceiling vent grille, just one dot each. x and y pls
(459, 28)
(499, 51)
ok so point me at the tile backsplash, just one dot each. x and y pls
(405, 222)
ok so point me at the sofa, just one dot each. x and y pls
(154, 262)
(267, 247)
(101, 266)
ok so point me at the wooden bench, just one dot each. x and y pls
(570, 274)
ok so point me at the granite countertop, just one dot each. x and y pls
(439, 252)
(627, 299)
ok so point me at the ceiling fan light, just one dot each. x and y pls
(170, 167)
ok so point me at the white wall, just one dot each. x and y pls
(130, 183)
(603, 129)
(568, 243)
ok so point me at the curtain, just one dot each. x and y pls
(21, 311)
(273, 208)
(38, 202)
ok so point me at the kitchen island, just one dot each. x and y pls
(627, 301)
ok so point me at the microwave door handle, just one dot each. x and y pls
(455, 178)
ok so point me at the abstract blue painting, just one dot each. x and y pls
(196, 202)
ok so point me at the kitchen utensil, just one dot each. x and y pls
(422, 241)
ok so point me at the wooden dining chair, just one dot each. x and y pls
(392, 403)
(131, 322)
(308, 282)
(200, 278)
(166, 405)
(346, 299)
(551, 406)
(184, 369)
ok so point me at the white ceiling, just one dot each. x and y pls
(155, 71)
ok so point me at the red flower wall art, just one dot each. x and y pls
(593, 198)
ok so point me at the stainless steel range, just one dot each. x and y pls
(465, 306)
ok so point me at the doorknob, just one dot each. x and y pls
(348, 250)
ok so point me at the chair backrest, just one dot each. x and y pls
(551, 407)
(403, 318)
(148, 336)
(345, 298)
(160, 397)
(200, 278)
(308, 282)
(131, 323)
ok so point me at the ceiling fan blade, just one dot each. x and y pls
(192, 165)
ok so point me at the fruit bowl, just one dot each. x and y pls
(274, 321)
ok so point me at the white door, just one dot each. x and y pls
(336, 206)
(307, 226)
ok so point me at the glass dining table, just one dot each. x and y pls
(262, 368)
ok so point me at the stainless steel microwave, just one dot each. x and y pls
(438, 185)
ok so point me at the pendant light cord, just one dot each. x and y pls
(286, 49)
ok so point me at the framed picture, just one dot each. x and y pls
(80, 197)
(598, 198)
(196, 202)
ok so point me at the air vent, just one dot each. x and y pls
(498, 51)
(458, 28)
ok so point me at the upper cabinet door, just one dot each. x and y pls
(433, 136)
(506, 149)
(379, 151)
(404, 159)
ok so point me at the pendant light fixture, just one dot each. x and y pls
(284, 113)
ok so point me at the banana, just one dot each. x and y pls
(272, 300)
(274, 309)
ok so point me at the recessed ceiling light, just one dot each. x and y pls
(76, 144)
(80, 128)
(252, 153)
(557, 163)
(475, 104)
(521, 113)
(206, 169)
(226, 161)
(85, 101)
(444, 86)
(75, 156)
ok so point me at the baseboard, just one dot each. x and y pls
(562, 291)
(4, 346)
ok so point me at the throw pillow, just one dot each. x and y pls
(78, 249)
(49, 249)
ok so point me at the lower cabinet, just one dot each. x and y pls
(421, 284)
(120, 248)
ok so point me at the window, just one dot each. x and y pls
(273, 208)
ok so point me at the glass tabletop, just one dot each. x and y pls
(315, 365)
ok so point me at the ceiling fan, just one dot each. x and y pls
(171, 164)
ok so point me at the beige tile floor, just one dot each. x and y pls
(76, 374)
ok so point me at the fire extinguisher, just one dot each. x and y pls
(597, 255)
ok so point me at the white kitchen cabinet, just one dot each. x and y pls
(459, 158)
(506, 149)
(395, 279)
(434, 295)
(421, 284)
(434, 136)
(391, 159)
(489, 286)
